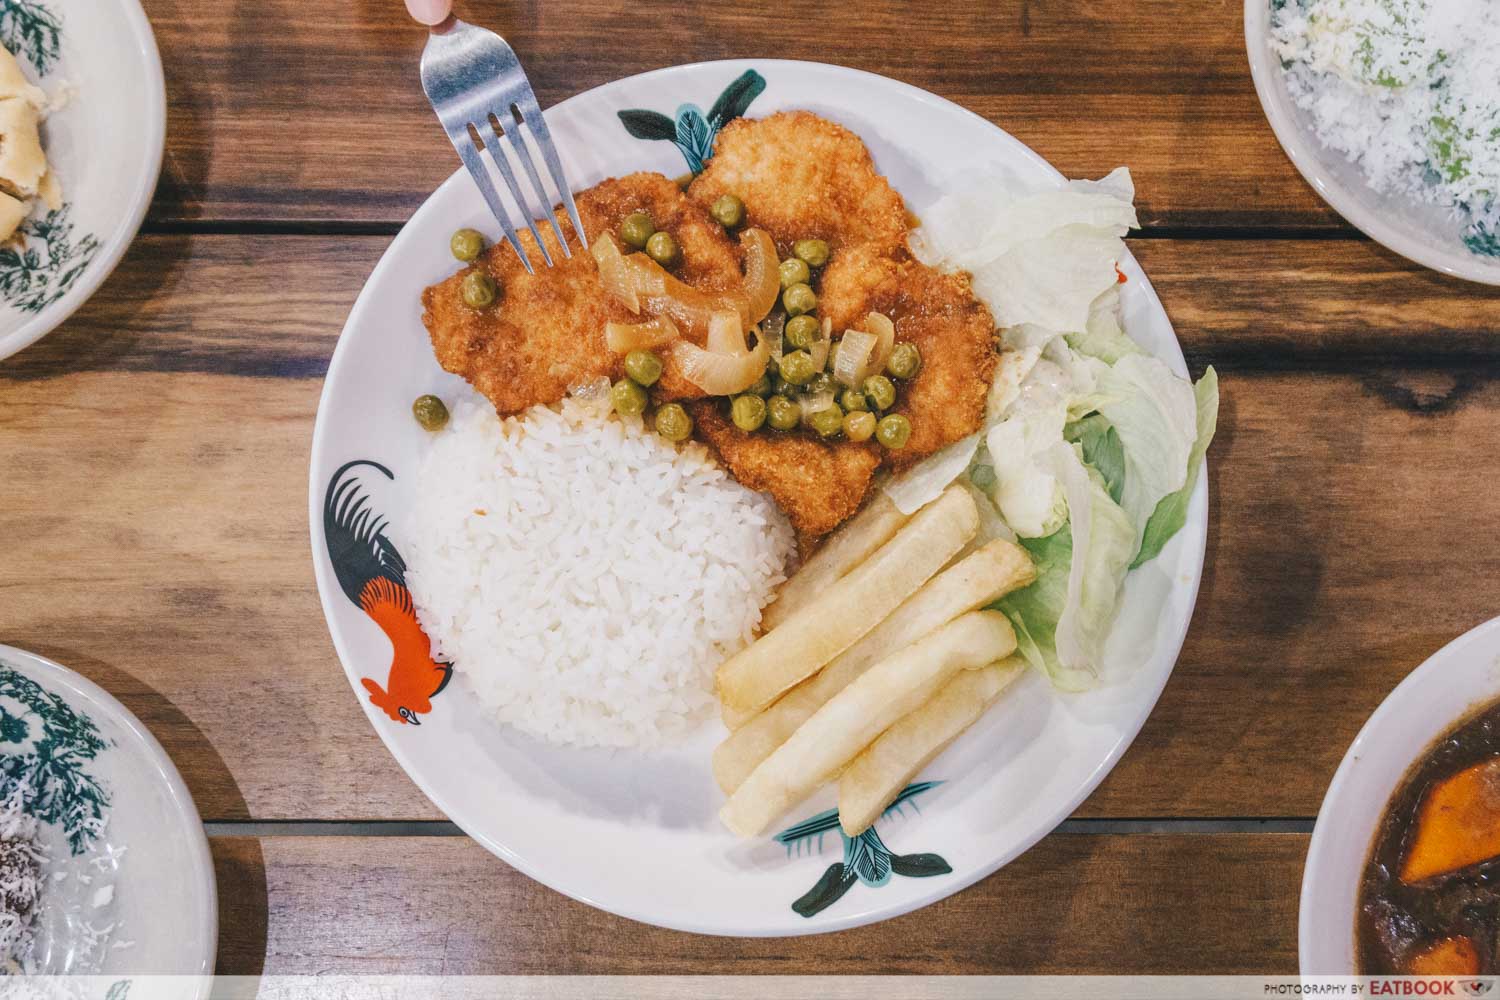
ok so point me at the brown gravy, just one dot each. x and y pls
(1396, 921)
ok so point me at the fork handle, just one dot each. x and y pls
(430, 12)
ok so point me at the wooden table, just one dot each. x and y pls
(153, 477)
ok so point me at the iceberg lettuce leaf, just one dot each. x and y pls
(1153, 411)
(1104, 542)
(1171, 512)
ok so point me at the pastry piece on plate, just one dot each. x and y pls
(24, 174)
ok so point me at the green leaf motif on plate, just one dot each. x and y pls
(46, 264)
(32, 32)
(866, 857)
(44, 745)
(1482, 240)
(692, 131)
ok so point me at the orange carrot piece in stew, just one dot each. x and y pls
(1454, 956)
(1458, 823)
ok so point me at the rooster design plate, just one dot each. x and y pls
(636, 833)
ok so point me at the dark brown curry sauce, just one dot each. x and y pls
(1395, 921)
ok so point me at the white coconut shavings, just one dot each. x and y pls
(1407, 89)
(21, 859)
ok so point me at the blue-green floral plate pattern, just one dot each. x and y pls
(104, 144)
(114, 815)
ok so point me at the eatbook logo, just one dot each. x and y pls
(1476, 987)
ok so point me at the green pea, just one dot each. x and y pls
(801, 332)
(798, 368)
(783, 413)
(430, 412)
(780, 386)
(466, 244)
(762, 386)
(479, 289)
(748, 412)
(794, 272)
(637, 229)
(643, 367)
(827, 423)
(982, 476)
(905, 360)
(880, 391)
(893, 431)
(673, 422)
(728, 211)
(859, 426)
(799, 299)
(628, 398)
(853, 399)
(822, 382)
(813, 252)
(662, 249)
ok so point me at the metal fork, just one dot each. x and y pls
(480, 93)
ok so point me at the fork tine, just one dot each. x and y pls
(518, 143)
(497, 153)
(531, 113)
(475, 163)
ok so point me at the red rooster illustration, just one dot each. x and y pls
(373, 575)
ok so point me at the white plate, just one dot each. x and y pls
(147, 872)
(637, 834)
(1460, 677)
(106, 146)
(1428, 234)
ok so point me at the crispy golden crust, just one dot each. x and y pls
(545, 333)
(803, 177)
(818, 485)
(800, 176)
(937, 312)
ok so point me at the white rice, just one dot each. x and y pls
(1407, 89)
(584, 575)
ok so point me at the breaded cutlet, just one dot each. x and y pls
(803, 177)
(939, 313)
(817, 484)
(545, 334)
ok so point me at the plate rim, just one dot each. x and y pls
(875, 913)
(200, 855)
(143, 43)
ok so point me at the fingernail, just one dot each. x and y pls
(429, 12)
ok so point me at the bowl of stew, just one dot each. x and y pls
(1403, 872)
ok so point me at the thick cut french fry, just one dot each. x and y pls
(885, 767)
(985, 575)
(845, 549)
(862, 711)
(850, 607)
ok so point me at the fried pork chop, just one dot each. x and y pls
(803, 177)
(937, 312)
(818, 484)
(800, 177)
(546, 332)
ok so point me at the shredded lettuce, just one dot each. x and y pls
(1102, 450)
(1037, 257)
(1103, 337)
(1034, 610)
(1103, 546)
(1171, 513)
(1094, 444)
(1152, 410)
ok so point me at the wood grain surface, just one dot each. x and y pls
(153, 479)
(1159, 904)
(180, 577)
(287, 111)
